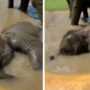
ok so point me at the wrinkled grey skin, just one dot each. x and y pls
(38, 4)
(25, 38)
(76, 7)
(6, 55)
(75, 42)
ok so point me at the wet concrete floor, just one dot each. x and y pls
(57, 24)
(26, 77)
(64, 72)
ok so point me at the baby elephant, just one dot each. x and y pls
(25, 38)
(75, 42)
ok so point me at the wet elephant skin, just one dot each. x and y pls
(22, 37)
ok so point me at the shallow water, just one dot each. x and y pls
(26, 77)
(67, 65)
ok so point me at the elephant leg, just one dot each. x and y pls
(68, 1)
(39, 9)
(76, 11)
(32, 48)
(35, 55)
(85, 15)
(85, 12)
(24, 5)
(38, 4)
(10, 3)
(75, 17)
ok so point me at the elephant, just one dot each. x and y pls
(75, 42)
(38, 4)
(76, 7)
(23, 4)
(21, 37)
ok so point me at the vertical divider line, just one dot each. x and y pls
(43, 45)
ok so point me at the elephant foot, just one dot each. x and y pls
(74, 23)
(10, 6)
(84, 19)
(23, 10)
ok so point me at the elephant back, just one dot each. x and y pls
(22, 28)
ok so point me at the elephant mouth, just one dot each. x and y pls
(66, 52)
(73, 52)
(70, 52)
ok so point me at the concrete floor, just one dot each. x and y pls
(57, 78)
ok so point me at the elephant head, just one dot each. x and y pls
(73, 43)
